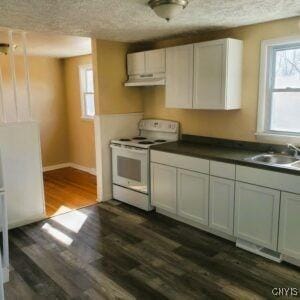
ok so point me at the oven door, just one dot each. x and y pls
(130, 168)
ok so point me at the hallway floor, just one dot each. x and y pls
(114, 251)
(68, 189)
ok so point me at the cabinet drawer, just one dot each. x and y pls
(180, 161)
(221, 169)
(270, 179)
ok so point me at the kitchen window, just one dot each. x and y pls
(87, 91)
(279, 95)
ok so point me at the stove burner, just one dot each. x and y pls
(146, 143)
(139, 138)
(124, 140)
(160, 141)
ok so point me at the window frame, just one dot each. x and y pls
(82, 80)
(266, 89)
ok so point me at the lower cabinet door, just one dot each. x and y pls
(221, 204)
(289, 238)
(257, 214)
(163, 187)
(192, 196)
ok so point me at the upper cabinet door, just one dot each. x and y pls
(179, 76)
(218, 74)
(136, 63)
(289, 240)
(209, 63)
(155, 61)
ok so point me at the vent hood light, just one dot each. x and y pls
(168, 9)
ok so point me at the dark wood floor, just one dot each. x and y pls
(67, 189)
(113, 251)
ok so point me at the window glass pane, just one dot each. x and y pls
(89, 81)
(89, 105)
(287, 68)
(285, 114)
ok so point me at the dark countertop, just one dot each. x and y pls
(220, 153)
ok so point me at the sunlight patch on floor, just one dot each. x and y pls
(57, 234)
(73, 220)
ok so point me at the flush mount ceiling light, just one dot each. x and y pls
(168, 9)
(4, 48)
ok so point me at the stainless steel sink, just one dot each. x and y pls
(276, 159)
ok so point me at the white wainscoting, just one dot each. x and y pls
(22, 172)
(108, 127)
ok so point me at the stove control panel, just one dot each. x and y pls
(159, 125)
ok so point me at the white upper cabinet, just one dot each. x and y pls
(155, 61)
(217, 74)
(136, 63)
(206, 75)
(179, 76)
(148, 62)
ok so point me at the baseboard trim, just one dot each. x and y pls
(56, 167)
(72, 165)
(83, 168)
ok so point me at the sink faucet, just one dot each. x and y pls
(296, 149)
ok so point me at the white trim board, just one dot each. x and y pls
(56, 167)
(72, 165)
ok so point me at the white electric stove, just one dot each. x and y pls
(131, 161)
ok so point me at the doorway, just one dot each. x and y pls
(62, 97)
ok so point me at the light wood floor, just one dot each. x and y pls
(68, 189)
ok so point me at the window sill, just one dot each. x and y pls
(84, 118)
(277, 138)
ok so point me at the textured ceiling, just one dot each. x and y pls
(40, 44)
(133, 20)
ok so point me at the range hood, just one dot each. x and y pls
(146, 80)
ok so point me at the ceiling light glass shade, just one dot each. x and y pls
(4, 48)
(168, 9)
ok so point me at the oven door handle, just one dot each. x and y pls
(135, 150)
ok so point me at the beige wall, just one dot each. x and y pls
(47, 101)
(55, 99)
(80, 131)
(49, 108)
(109, 60)
(240, 124)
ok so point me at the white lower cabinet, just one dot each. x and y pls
(163, 187)
(192, 196)
(257, 214)
(221, 204)
(289, 238)
(258, 206)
